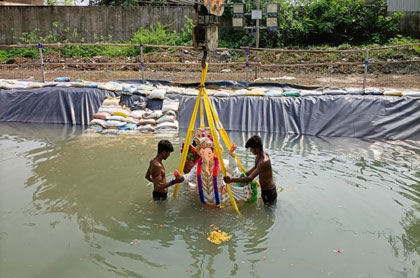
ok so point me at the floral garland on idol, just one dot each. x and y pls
(200, 181)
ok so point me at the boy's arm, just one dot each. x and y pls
(148, 176)
(158, 179)
(251, 175)
(250, 171)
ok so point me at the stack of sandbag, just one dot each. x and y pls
(112, 116)
(160, 121)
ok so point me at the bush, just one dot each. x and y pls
(332, 22)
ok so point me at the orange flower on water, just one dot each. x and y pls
(217, 236)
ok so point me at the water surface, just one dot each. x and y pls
(77, 205)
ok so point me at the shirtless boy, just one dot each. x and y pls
(156, 172)
(262, 168)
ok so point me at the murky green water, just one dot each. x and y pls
(74, 205)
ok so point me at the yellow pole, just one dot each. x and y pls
(201, 111)
(187, 141)
(213, 131)
(191, 126)
(223, 133)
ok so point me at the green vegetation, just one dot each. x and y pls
(330, 22)
(321, 24)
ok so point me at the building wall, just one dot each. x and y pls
(22, 2)
(91, 22)
(403, 5)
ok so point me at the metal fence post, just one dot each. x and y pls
(247, 66)
(366, 68)
(41, 61)
(142, 62)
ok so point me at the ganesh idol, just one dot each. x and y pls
(207, 175)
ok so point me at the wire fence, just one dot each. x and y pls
(365, 62)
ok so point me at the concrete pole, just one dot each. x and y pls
(142, 62)
(257, 42)
(366, 68)
(41, 59)
(247, 66)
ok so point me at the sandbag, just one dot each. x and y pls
(129, 126)
(153, 114)
(170, 105)
(141, 92)
(310, 93)
(118, 87)
(111, 101)
(166, 118)
(131, 120)
(147, 122)
(170, 113)
(91, 85)
(291, 94)
(98, 122)
(106, 86)
(50, 84)
(411, 93)
(34, 85)
(101, 115)
(108, 109)
(77, 84)
(158, 94)
(222, 94)
(190, 92)
(116, 118)
(355, 91)
(239, 93)
(174, 90)
(121, 112)
(62, 79)
(137, 114)
(333, 92)
(211, 92)
(373, 91)
(274, 93)
(146, 128)
(145, 87)
(167, 126)
(255, 93)
(96, 128)
(114, 124)
(392, 92)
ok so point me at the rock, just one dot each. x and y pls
(225, 54)
(225, 70)
(186, 51)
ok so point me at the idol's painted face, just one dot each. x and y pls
(207, 154)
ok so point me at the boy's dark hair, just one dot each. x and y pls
(165, 146)
(254, 142)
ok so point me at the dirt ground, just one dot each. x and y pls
(184, 67)
(398, 81)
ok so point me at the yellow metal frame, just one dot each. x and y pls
(203, 102)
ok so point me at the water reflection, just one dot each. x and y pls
(99, 182)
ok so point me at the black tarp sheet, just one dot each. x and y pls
(54, 105)
(395, 118)
(376, 117)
